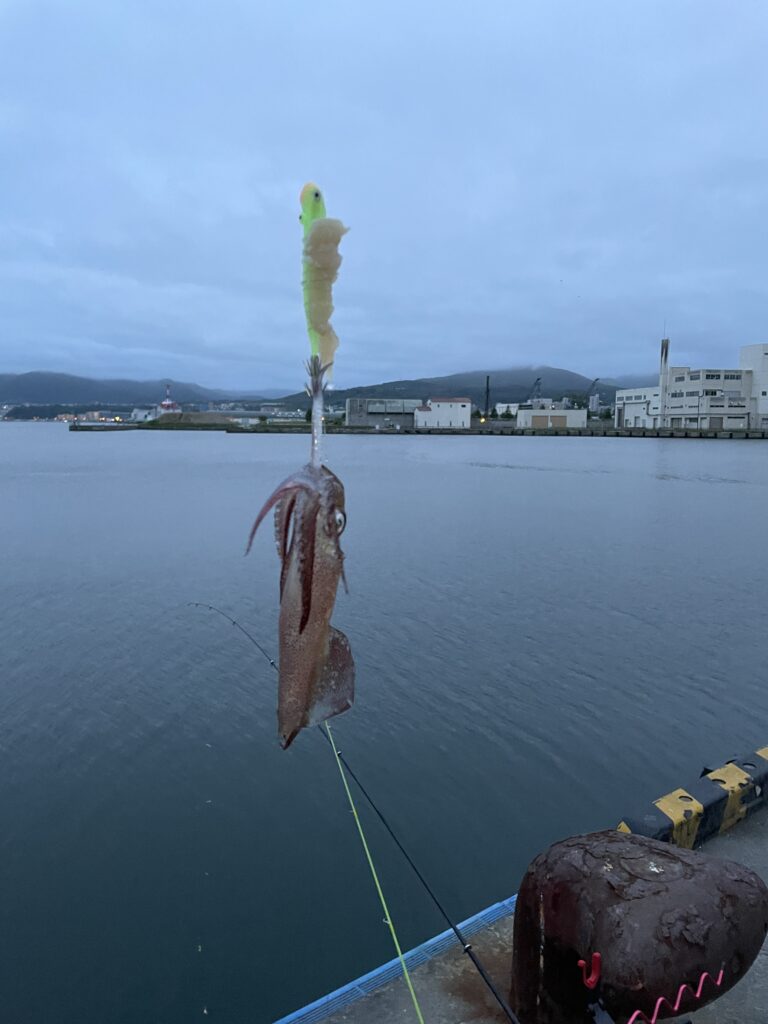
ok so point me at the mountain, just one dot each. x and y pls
(263, 393)
(62, 388)
(512, 385)
(635, 380)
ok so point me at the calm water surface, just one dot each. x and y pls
(547, 631)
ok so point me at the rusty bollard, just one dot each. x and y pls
(659, 916)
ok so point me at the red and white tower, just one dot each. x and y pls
(168, 404)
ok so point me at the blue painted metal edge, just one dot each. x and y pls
(354, 990)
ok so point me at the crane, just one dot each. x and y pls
(588, 393)
(535, 391)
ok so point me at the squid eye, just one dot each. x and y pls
(317, 195)
(341, 521)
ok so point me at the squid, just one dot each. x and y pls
(316, 668)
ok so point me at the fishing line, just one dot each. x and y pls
(382, 900)
(366, 849)
(344, 764)
(466, 946)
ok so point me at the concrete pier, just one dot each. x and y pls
(495, 428)
(450, 991)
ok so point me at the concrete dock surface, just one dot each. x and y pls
(450, 991)
(448, 987)
(747, 1002)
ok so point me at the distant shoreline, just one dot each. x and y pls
(494, 431)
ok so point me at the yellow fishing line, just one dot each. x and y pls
(387, 915)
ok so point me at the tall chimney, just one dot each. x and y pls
(663, 380)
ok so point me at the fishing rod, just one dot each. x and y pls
(236, 624)
(466, 946)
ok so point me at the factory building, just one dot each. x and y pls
(507, 408)
(702, 399)
(551, 419)
(444, 413)
(388, 413)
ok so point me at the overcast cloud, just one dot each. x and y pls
(547, 182)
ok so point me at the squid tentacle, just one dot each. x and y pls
(285, 523)
(285, 488)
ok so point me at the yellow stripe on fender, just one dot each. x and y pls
(718, 799)
(685, 812)
(734, 781)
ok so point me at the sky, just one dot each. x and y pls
(550, 183)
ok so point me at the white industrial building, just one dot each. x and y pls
(551, 419)
(246, 417)
(705, 399)
(446, 413)
(507, 408)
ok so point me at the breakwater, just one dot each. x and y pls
(494, 431)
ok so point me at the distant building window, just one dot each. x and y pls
(678, 379)
(710, 393)
(695, 376)
(733, 376)
(691, 394)
(676, 394)
(713, 376)
(765, 393)
(638, 398)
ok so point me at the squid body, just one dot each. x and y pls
(317, 673)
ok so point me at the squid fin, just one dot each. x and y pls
(334, 691)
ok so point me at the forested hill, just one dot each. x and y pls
(41, 388)
(512, 385)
